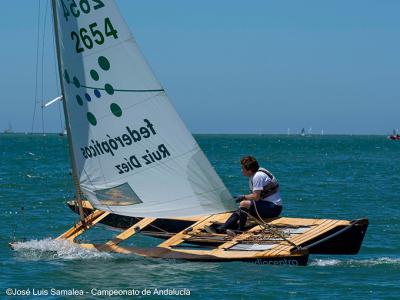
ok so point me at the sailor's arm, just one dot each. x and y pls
(255, 195)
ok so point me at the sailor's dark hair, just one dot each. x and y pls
(250, 163)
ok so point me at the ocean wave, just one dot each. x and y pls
(55, 249)
(32, 176)
(355, 262)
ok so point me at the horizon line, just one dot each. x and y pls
(217, 133)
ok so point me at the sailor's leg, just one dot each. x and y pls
(243, 211)
(265, 209)
(243, 218)
(231, 223)
(239, 216)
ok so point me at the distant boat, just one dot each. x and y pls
(394, 135)
(9, 129)
(63, 133)
(303, 132)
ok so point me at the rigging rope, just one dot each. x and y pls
(37, 67)
(42, 63)
(57, 81)
(269, 227)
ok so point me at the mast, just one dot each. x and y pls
(67, 124)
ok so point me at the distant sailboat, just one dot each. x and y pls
(395, 135)
(303, 132)
(63, 133)
(9, 129)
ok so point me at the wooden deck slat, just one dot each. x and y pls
(325, 226)
(296, 221)
(301, 239)
(284, 246)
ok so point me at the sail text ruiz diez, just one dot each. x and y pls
(110, 146)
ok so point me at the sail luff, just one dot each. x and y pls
(67, 124)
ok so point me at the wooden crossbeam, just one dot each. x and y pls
(84, 225)
(197, 227)
(135, 228)
(112, 245)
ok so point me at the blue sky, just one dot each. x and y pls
(236, 66)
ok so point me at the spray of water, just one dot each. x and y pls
(355, 262)
(55, 249)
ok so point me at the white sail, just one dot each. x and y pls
(134, 156)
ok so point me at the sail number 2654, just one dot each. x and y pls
(93, 35)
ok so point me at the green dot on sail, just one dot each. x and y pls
(91, 118)
(66, 77)
(94, 75)
(109, 89)
(116, 110)
(76, 82)
(79, 100)
(104, 63)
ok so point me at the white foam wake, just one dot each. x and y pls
(355, 262)
(324, 262)
(55, 249)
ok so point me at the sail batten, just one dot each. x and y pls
(134, 155)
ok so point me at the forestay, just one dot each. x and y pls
(134, 155)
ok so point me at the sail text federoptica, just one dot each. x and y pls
(112, 144)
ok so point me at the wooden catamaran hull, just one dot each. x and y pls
(300, 259)
(335, 237)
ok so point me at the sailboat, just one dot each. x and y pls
(9, 129)
(136, 167)
(63, 133)
(303, 132)
(395, 135)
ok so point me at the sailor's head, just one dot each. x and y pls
(249, 165)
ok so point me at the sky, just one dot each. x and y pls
(229, 66)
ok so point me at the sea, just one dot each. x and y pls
(321, 176)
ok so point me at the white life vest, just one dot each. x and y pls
(270, 188)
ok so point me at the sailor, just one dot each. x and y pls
(263, 201)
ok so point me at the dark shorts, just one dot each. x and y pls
(265, 209)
